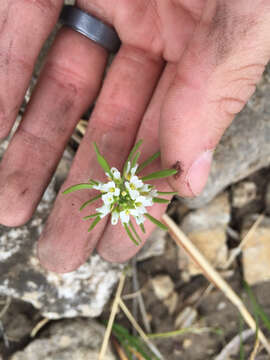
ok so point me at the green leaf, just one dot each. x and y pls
(77, 187)
(257, 308)
(156, 222)
(160, 200)
(148, 161)
(142, 228)
(135, 159)
(160, 174)
(135, 232)
(94, 182)
(102, 161)
(94, 223)
(90, 201)
(91, 216)
(130, 235)
(132, 152)
(168, 193)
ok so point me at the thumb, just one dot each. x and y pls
(214, 79)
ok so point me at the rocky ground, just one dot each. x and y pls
(72, 308)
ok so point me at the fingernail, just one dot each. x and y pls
(198, 173)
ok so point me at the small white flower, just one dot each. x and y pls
(114, 217)
(124, 216)
(104, 210)
(116, 174)
(133, 192)
(107, 198)
(139, 219)
(134, 180)
(144, 200)
(99, 186)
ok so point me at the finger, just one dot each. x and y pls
(65, 242)
(68, 84)
(24, 26)
(215, 78)
(115, 245)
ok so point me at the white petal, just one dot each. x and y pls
(114, 218)
(128, 167)
(134, 212)
(134, 169)
(99, 186)
(136, 181)
(144, 200)
(116, 173)
(116, 192)
(107, 198)
(124, 216)
(139, 219)
(109, 185)
(103, 210)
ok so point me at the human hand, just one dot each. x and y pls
(185, 68)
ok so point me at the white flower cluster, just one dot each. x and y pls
(125, 196)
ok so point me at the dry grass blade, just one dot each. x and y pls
(6, 306)
(212, 275)
(119, 350)
(255, 350)
(248, 236)
(112, 317)
(39, 326)
(139, 329)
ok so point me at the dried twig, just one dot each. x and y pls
(112, 317)
(39, 326)
(183, 241)
(139, 329)
(140, 298)
(119, 350)
(6, 306)
(255, 350)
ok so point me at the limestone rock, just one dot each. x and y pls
(243, 193)
(154, 246)
(79, 339)
(244, 148)
(206, 228)
(256, 252)
(163, 286)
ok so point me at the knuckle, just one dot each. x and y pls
(67, 78)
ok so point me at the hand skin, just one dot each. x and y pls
(185, 68)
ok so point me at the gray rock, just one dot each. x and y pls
(79, 339)
(154, 246)
(244, 148)
(243, 193)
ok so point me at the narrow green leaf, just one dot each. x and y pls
(77, 187)
(94, 223)
(142, 228)
(148, 161)
(102, 161)
(90, 201)
(135, 159)
(156, 222)
(167, 193)
(91, 216)
(160, 200)
(160, 174)
(130, 235)
(132, 152)
(257, 308)
(94, 182)
(135, 232)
